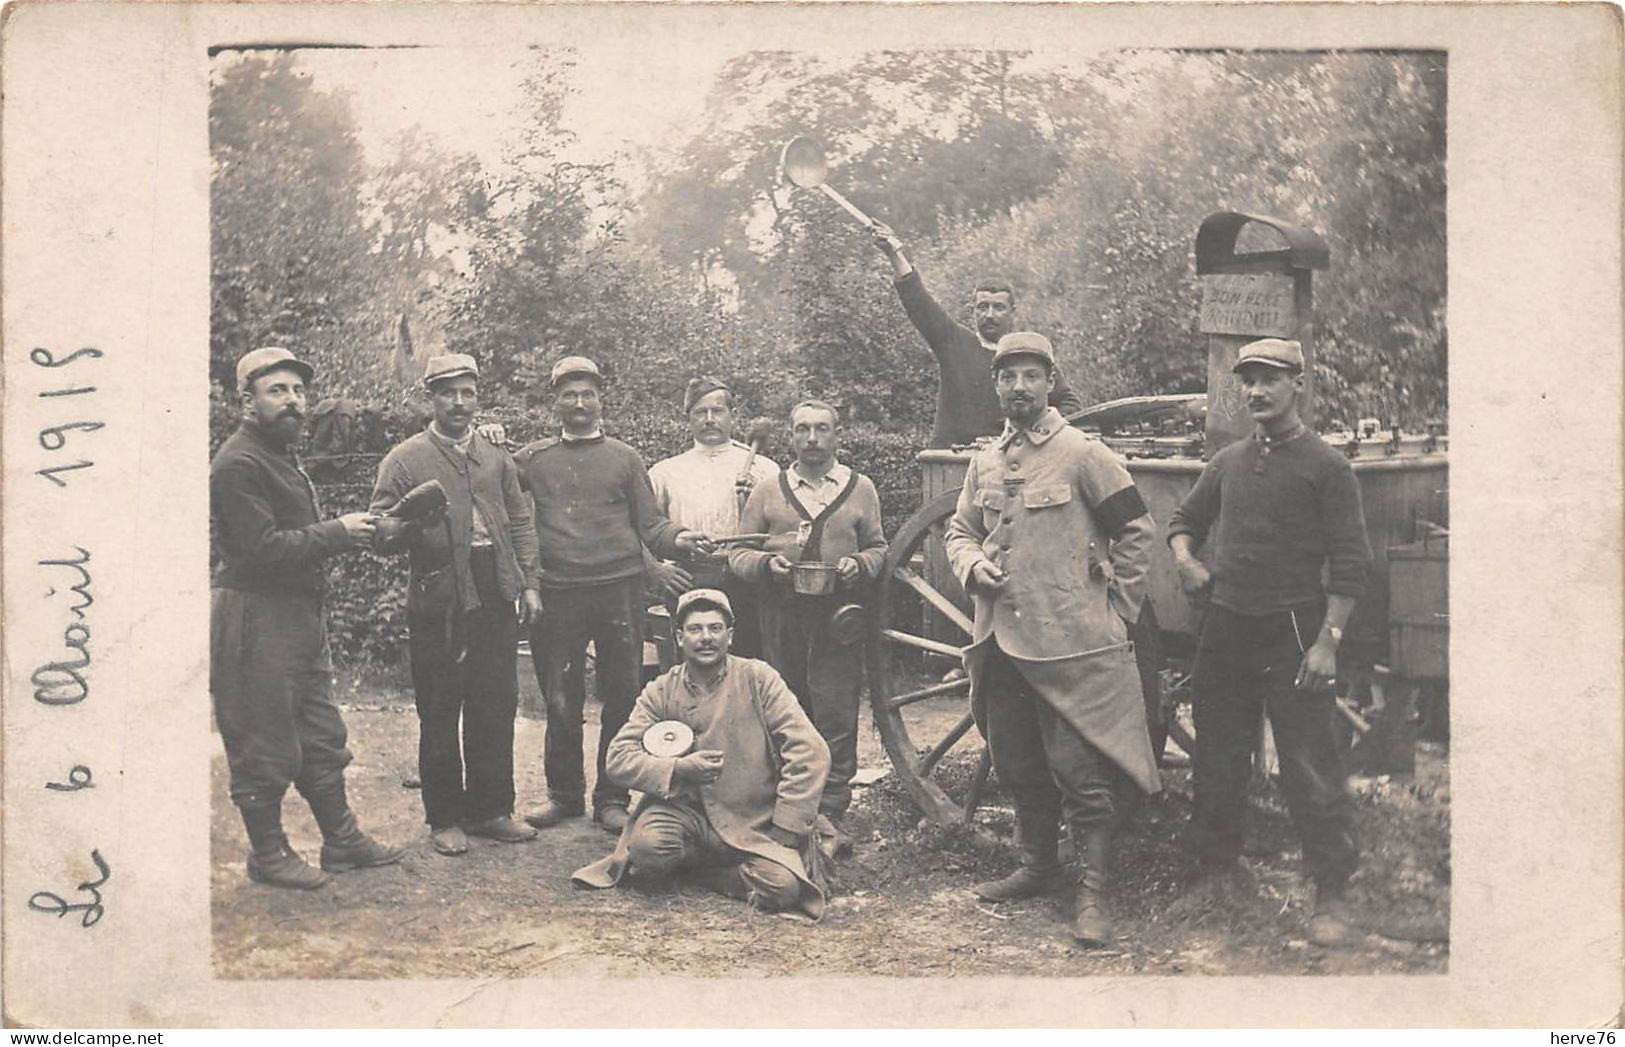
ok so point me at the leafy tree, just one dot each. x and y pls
(291, 252)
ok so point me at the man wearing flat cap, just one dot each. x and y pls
(704, 489)
(735, 807)
(824, 514)
(467, 577)
(966, 406)
(1281, 508)
(269, 672)
(1052, 541)
(595, 513)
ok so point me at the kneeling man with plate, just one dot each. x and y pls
(731, 771)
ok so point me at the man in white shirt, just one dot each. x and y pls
(702, 490)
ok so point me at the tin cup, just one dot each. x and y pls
(813, 578)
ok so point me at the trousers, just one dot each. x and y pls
(1245, 663)
(271, 682)
(826, 677)
(670, 838)
(472, 781)
(609, 615)
(1050, 769)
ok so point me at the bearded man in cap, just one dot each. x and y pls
(1052, 540)
(595, 513)
(270, 675)
(735, 808)
(704, 489)
(467, 577)
(1281, 508)
(966, 405)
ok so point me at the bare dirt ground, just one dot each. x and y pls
(902, 907)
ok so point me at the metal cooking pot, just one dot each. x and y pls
(813, 578)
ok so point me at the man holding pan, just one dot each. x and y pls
(966, 405)
(705, 488)
(824, 544)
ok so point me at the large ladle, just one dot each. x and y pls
(805, 165)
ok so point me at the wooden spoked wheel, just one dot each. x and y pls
(903, 687)
(918, 693)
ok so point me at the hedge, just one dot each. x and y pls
(366, 595)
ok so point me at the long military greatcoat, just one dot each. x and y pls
(774, 766)
(1058, 511)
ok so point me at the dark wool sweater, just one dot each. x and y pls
(1281, 514)
(267, 525)
(967, 406)
(595, 510)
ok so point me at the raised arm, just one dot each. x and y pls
(929, 318)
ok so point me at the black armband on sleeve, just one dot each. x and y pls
(1118, 510)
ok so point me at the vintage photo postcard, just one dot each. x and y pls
(826, 515)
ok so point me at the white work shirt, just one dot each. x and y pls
(696, 490)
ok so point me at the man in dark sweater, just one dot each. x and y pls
(966, 405)
(269, 671)
(1279, 507)
(468, 573)
(595, 511)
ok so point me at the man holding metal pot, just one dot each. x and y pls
(824, 544)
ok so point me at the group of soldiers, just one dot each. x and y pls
(565, 538)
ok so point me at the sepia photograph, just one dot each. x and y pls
(511, 379)
(812, 516)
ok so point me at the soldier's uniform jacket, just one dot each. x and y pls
(1058, 511)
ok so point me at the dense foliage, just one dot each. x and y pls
(1082, 185)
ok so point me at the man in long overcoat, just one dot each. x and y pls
(1052, 540)
(737, 809)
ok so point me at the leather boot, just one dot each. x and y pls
(1331, 924)
(270, 859)
(1090, 925)
(344, 845)
(1040, 870)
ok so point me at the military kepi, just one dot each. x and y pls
(266, 360)
(1273, 352)
(449, 365)
(1023, 343)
